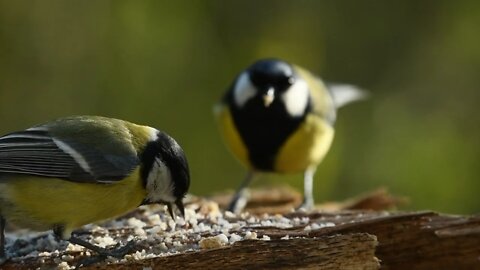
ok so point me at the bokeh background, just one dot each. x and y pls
(165, 63)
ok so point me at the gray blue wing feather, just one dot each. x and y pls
(36, 152)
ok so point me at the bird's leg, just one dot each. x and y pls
(3, 255)
(308, 201)
(239, 201)
(117, 252)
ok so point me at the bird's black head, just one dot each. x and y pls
(271, 73)
(268, 101)
(165, 172)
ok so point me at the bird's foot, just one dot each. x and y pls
(119, 252)
(239, 202)
(307, 205)
(116, 252)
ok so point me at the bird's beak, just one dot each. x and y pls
(170, 210)
(268, 97)
(179, 205)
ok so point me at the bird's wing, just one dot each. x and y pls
(37, 152)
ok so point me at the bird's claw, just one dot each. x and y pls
(307, 205)
(116, 252)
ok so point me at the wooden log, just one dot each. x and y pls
(341, 239)
(422, 240)
(351, 251)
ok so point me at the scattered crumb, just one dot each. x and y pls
(213, 242)
(229, 214)
(67, 258)
(155, 234)
(104, 241)
(250, 235)
(210, 208)
(63, 266)
(234, 238)
(316, 226)
(136, 223)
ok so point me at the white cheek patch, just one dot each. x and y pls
(159, 183)
(244, 90)
(153, 133)
(296, 98)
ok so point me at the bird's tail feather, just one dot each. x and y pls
(343, 94)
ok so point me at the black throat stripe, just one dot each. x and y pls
(264, 129)
(147, 158)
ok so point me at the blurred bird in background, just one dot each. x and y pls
(278, 117)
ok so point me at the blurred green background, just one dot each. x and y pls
(165, 63)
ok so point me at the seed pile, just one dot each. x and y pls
(154, 234)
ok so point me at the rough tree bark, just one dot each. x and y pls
(360, 239)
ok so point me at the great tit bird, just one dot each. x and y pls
(278, 117)
(82, 169)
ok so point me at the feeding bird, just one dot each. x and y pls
(82, 169)
(278, 117)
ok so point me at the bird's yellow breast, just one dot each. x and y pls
(306, 146)
(40, 203)
(231, 136)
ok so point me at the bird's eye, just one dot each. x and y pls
(285, 82)
(290, 80)
(272, 73)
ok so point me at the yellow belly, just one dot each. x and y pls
(306, 148)
(40, 203)
(231, 136)
(302, 150)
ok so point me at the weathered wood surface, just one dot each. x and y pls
(351, 251)
(422, 240)
(360, 239)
